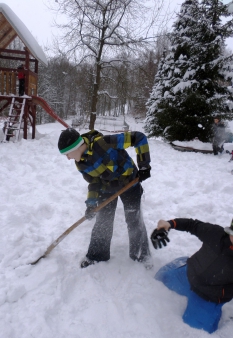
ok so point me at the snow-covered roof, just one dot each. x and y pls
(12, 26)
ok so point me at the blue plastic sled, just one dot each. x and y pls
(199, 313)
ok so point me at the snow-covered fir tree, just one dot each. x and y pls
(192, 83)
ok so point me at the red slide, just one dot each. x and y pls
(41, 102)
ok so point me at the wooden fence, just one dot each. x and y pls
(9, 82)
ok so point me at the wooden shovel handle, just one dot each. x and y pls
(81, 220)
(118, 193)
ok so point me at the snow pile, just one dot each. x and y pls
(42, 195)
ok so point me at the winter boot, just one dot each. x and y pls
(86, 262)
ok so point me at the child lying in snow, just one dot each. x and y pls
(206, 278)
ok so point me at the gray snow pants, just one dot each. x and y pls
(99, 248)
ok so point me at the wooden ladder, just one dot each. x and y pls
(13, 124)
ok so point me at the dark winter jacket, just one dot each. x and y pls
(107, 166)
(218, 133)
(209, 270)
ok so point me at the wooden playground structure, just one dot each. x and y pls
(22, 108)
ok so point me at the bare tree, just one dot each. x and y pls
(97, 30)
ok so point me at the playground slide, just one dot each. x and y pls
(38, 100)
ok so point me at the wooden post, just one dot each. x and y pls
(7, 83)
(27, 66)
(36, 66)
(25, 118)
(33, 114)
(2, 83)
(13, 82)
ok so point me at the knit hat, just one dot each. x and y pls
(229, 230)
(69, 140)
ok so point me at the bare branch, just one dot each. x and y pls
(101, 29)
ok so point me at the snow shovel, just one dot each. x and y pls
(72, 227)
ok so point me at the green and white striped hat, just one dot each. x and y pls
(69, 140)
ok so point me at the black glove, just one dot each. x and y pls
(144, 173)
(159, 238)
(90, 213)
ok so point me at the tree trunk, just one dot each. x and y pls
(95, 94)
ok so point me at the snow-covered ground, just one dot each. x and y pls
(42, 194)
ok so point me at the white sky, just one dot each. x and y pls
(36, 16)
(39, 19)
(43, 194)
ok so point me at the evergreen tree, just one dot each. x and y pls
(191, 84)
